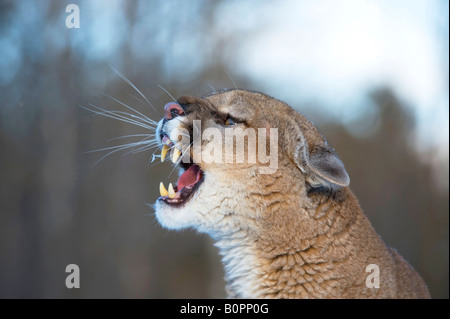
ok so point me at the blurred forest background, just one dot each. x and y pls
(372, 75)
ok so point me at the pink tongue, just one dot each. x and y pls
(189, 177)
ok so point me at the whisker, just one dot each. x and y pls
(183, 134)
(131, 135)
(134, 144)
(136, 98)
(132, 117)
(116, 116)
(145, 142)
(167, 93)
(143, 149)
(133, 86)
(110, 153)
(211, 86)
(230, 79)
(148, 146)
(124, 115)
(112, 114)
(130, 108)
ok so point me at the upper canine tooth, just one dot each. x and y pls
(162, 190)
(171, 191)
(175, 154)
(164, 151)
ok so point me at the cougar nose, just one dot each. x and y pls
(172, 110)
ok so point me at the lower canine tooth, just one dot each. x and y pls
(162, 190)
(175, 154)
(171, 191)
(164, 151)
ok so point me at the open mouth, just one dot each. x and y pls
(187, 183)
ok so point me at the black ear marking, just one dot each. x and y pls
(325, 163)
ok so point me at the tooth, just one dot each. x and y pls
(162, 190)
(175, 154)
(164, 151)
(171, 191)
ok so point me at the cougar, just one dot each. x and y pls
(293, 231)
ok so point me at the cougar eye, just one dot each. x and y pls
(230, 121)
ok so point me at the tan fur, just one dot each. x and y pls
(296, 233)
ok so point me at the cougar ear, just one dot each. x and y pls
(325, 163)
(314, 157)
